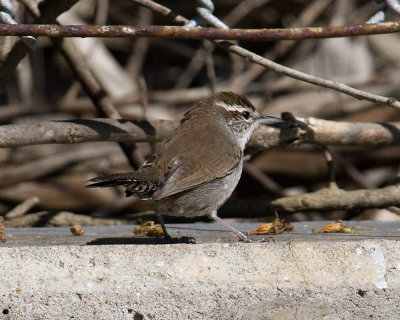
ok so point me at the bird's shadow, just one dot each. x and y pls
(141, 241)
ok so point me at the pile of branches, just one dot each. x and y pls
(71, 70)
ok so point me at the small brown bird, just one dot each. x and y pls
(199, 164)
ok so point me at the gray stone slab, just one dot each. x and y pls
(201, 232)
(46, 273)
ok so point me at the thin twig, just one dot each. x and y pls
(199, 58)
(49, 10)
(22, 208)
(359, 94)
(7, 16)
(335, 85)
(194, 66)
(57, 31)
(156, 7)
(101, 100)
(307, 17)
(141, 47)
(212, 78)
(330, 166)
(268, 184)
(44, 166)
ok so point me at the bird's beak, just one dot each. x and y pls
(266, 120)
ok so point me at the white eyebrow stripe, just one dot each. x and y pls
(231, 107)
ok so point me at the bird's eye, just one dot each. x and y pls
(246, 115)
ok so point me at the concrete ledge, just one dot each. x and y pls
(46, 273)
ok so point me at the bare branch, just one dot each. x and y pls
(333, 198)
(229, 46)
(307, 17)
(53, 30)
(335, 85)
(76, 131)
(162, 10)
(49, 10)
(310, 130)
(326, 132)
(44, 166)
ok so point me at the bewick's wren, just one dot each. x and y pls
(199, 164)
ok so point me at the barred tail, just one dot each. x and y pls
(130, 181)
(110, 180)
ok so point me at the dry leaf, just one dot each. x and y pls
(148, 228)
(77, 230)
(277, 226)
(3, 235)
(334, 227)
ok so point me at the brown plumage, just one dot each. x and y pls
(202, 155)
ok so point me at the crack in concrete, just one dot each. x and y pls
(297, 265)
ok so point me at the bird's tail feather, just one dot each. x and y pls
(143, 182)
(110, 180)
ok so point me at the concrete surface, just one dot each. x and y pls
(46, 273)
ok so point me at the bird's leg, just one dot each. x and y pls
(241, 235)
(164, 229)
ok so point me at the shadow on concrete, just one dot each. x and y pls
(147, 241)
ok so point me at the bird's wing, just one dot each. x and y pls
(217, 164)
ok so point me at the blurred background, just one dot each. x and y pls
(161, 78)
